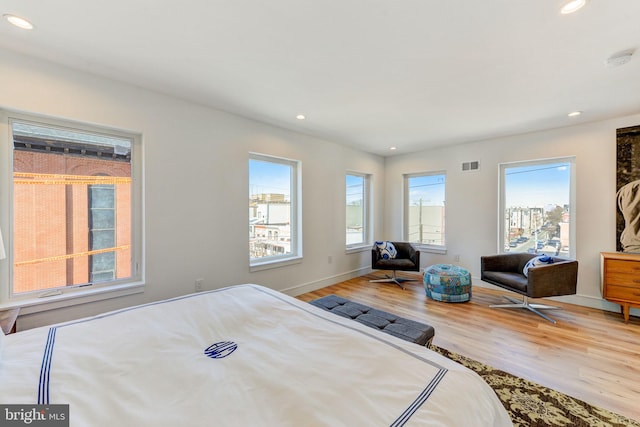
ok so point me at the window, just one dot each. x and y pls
(75, 221)
(357, 209)
(102, 231)
(273, 210)
(536, 207)
(425, 209)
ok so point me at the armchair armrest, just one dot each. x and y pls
(375, 256)
(559, 278)
(408, 251)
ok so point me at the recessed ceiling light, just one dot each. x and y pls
(393, 148)
(572, 6)
(574, 113)
(18, 22)
(301, 117)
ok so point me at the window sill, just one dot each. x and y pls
(74, 297)
(361, 248)
(441, 250)
(266, 265)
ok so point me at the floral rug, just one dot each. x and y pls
(531, 404)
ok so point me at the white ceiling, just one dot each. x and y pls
(415, 74)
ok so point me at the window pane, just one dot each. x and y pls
(537, 208)
(426, 209)
(104, 261)
(71, 188)
(102, 196)
(102, 239)
(102, 276)
(102, 219)
(355, 209)
(271, 214)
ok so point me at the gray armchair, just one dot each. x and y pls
(407, 259)
(506, 271)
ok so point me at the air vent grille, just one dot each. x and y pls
(470, 166)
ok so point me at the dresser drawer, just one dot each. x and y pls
(623, 293)
(622, 266)
(622, 278)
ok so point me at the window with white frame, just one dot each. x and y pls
(425, 209)
(74, 208)
(536, 207)
(357, 210)
(274, 209)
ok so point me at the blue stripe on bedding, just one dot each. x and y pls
(43, 388)
(45, 369)
(422, 397)
(406, 415)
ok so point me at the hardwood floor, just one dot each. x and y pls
(589, 354)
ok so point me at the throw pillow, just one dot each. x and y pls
(533, 262)
(387, 250)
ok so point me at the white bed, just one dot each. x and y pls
(239, 356)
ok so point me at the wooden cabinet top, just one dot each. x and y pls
(620, 256)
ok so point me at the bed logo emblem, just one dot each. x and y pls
(220, 349)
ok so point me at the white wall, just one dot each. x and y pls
(472, 197)
(197, 187)
(196, 178)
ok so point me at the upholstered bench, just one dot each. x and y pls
(397, 326)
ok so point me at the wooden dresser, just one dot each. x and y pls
(621, 280)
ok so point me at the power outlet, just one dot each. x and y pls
(456, 258)
(199, 285)
(330, 259)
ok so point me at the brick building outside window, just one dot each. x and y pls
(71, 207)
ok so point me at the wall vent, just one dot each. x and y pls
(470, 166)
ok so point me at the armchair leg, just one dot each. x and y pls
(393, 279)
(531, 307)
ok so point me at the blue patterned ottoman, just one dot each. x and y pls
(447, 282)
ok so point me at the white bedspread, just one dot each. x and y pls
(239, 356)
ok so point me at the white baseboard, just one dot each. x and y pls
(323, 283)
(577, 299)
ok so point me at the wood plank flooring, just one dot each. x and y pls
(589, 354)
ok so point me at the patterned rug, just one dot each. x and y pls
(531, 404)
